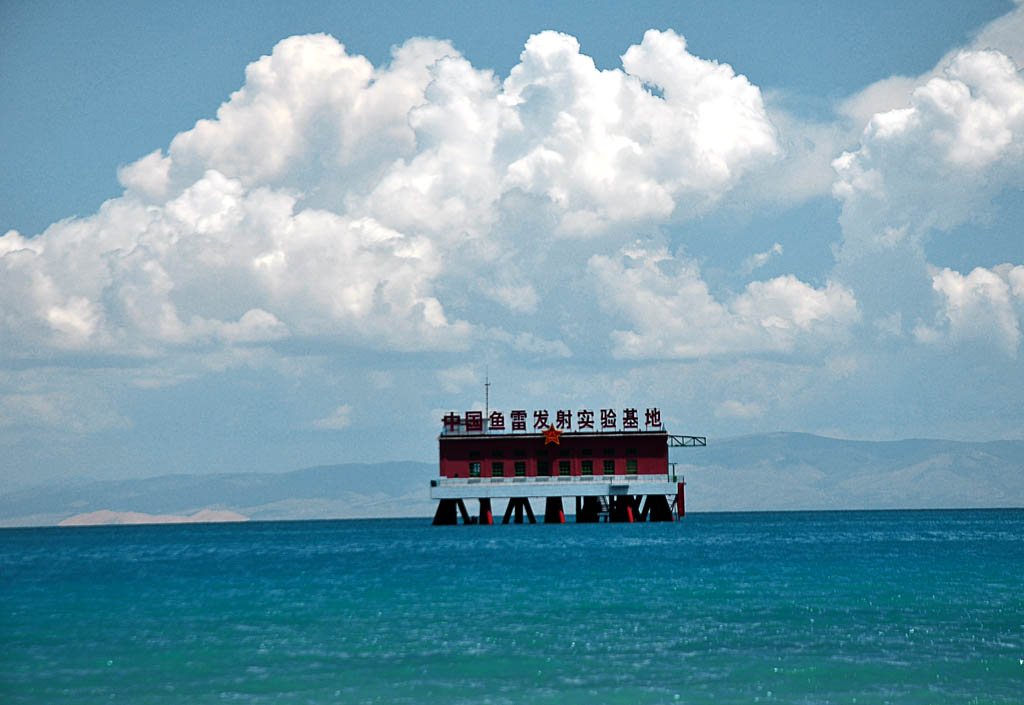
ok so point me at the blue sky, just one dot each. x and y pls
(261, 237)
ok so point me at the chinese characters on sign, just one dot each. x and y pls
(518, 420)
(608, 418)
(474, 421)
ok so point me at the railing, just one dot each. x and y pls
(687, 441)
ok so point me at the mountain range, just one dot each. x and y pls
(766, 472)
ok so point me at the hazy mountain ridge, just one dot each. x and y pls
(329, 491)
(803, 471)
(775, 471)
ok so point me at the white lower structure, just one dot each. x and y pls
(571, 486)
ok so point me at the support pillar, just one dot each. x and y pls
(634, 504)
(486, 516)
(519, 505)
(589, 512)
(553, 511)
(529, 510)
(680, 501)
(446, 514)
(620, 509)
(659, 508)
(466, 518)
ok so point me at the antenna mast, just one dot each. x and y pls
(487, 394)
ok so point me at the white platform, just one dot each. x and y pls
(571, 486)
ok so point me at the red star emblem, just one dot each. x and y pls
(551, 435)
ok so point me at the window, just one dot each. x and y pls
(497, 469)
(520, 469)
(497, 453)
(474, 454)
(564, 453)
(587, 452)
(563, 467)
(474, 469)
(542, 453)
(543, 468)
(608, 451)
(631, 466)
(609, 467)
(630, 451)
(519, 453)
(587, 467)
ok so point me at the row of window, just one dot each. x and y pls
(544, 468)
(543, 452)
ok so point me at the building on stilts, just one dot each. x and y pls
(614, 467)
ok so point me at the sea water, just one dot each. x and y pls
(819, 607)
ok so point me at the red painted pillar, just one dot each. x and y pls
(620, 509)
(680, 501)
(553, 511)
(486, 516)
(635, 504)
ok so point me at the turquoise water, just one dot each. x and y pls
(819, 607)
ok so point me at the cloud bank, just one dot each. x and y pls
(378, 205)
(333, 210)
(921, 171)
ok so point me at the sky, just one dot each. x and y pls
(259, 237)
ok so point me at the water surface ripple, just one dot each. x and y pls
(815, 607)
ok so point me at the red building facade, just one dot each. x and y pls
(575, 455)
(614, 467)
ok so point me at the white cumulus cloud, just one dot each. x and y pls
(605, 149)
(337, 420)
(674, 315)
(329, 198)
(933, 164)
(985, 305)
(760, 259)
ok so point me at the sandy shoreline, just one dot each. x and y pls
(106, 517)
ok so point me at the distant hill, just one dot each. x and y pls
(782, 471)
(778, 471)
(347, 491)
(106, 517)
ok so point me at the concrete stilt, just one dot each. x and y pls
(486, 516)
(446, 514)
(529, 510)
(553, 511)
(589, 510)
(659, 508)
(466, 518)
(634, 501)
(620, 509)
